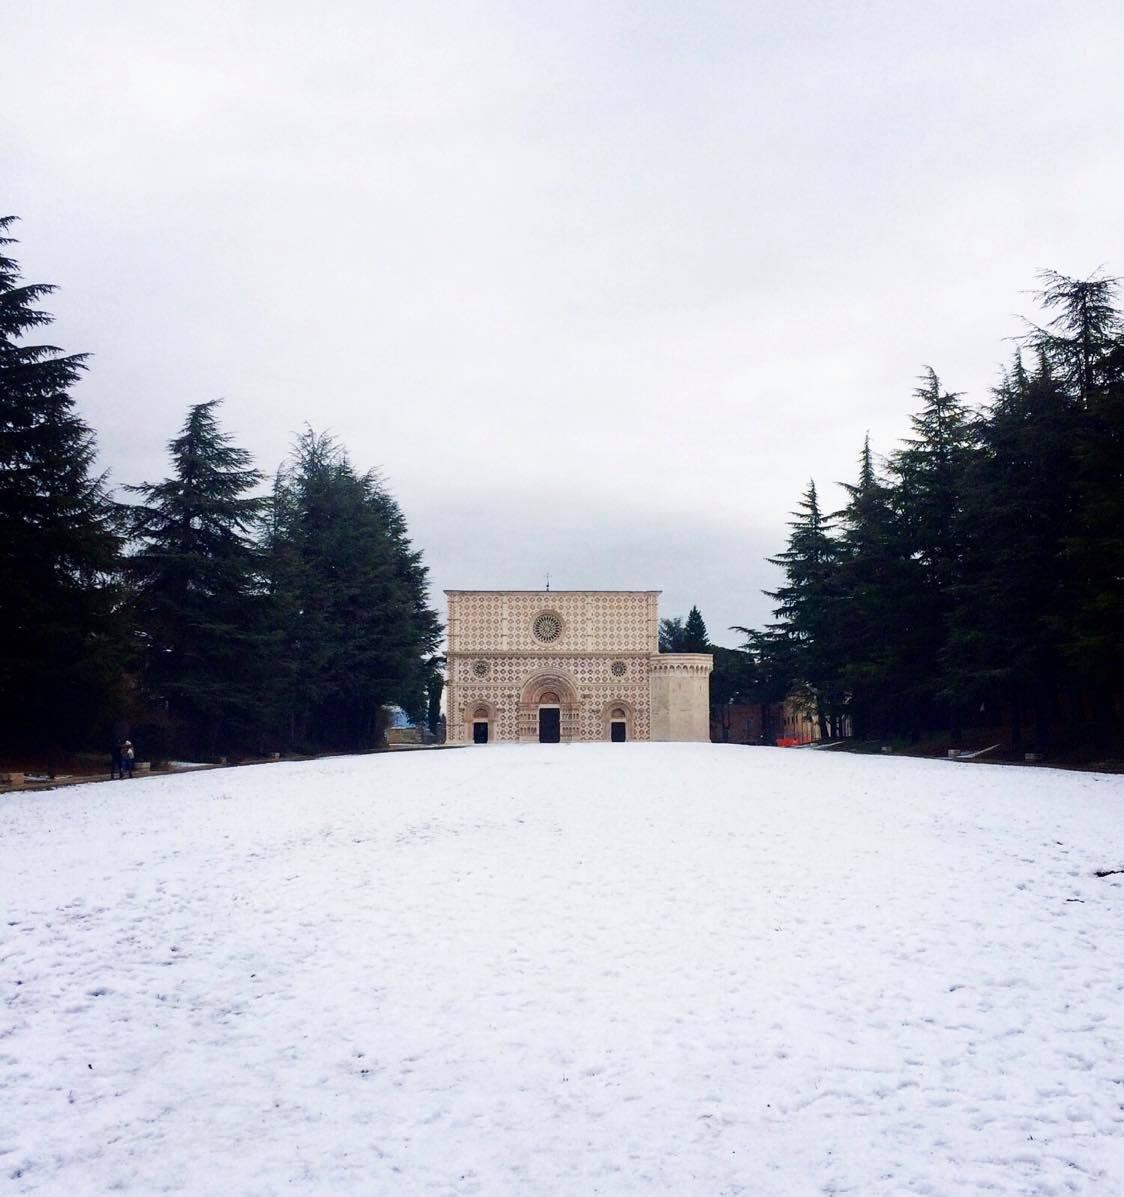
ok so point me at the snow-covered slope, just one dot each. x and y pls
(614, 969)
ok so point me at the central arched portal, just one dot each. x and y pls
(550, 718)
(548, 710)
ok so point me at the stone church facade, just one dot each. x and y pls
(569, 665)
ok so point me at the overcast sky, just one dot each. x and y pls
(597, 286)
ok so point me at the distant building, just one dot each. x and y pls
(558, 666)
(763, 723)
(742, 723)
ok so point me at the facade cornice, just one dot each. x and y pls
(534, 654)
(546, 593)
(681, 662)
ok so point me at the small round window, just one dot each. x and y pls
(547, 627)
(618, 668)
(480, 668)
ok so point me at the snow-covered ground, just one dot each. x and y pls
(602, 969)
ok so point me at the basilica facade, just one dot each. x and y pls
(549, 666)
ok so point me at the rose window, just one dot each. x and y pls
(618, 668)
(547, 628)
(480, 668)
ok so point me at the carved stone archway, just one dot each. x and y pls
(609, 714)
(476, 710)
(556, 689)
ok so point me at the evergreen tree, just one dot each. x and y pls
(929, 474)
(773, 667)
(695, 639)
(407, 664)
(1083, 344)
(1094, 640)
(435, 687)
(806, 609)
(1006, 630)
(1082, 339)
(62, 649)
(196, 574)
(350, 597)
(672, 635)
(878, 583)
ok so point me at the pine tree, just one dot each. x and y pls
(1094, 640)
(1082, 339)
(62, 648)
(1006, 630)
(930, 476)
(435, 687)
(350, 599)
(196, 573)
(672, 634)
(695, 639)
(806, 609)
(1084, 346)
(407, 666)
(929, 473)
(878, 583)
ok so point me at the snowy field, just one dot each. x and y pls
(602, 969)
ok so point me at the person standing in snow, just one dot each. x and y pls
(127, 758)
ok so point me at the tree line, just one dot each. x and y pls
(208, 614)
(975, 576)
